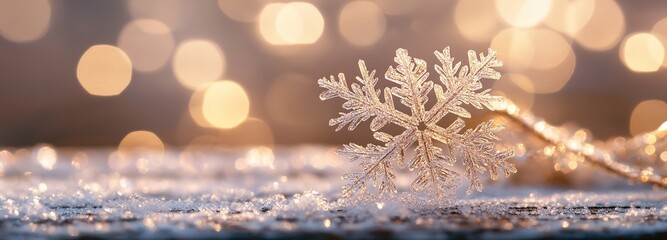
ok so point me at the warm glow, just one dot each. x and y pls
(544, 58)
(195, 106)
(516, 87)
(267, 23)
(570, 16)
(198, 62)
(241, 10)
(148, 42)
(291, 23)
(660, 31)
(552, 79)
(140, 141)
(225, 104)
(482, 25)
(42, 187)
(104, 70)
(143, 148)
(24, 20)
(362, 23)
(605, 27)
(553, 51)
(642, 52)
(259, 157)
(522, 13)
(79, 160)
(648, 116)
(515, 47)
(47, 157)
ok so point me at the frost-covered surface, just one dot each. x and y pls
(285, 193)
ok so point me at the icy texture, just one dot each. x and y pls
(639, 158)
(474, 147)
(284, 193)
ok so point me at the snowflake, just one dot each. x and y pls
(433, 164)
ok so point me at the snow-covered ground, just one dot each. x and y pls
(284, 193)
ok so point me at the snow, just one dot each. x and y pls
(205, 193)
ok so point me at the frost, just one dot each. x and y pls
(214, 200)
(475, 147)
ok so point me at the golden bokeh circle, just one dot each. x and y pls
(647, 116)
(605, 27)
(225, 104)
(482, 25)
(294, 23)
(642, 52)
(516, 48)
(104, 70)
(197, 62)
(24, 20)
(523, 13)
(362, 23)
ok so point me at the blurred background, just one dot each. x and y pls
(244, 72)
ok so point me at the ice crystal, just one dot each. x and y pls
(475, 147)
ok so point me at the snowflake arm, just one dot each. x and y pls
(376, 165)
(411, 74)
(362, 101)
(462, 88)
(476, 147)
(432, 167)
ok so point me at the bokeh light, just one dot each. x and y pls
(141, 149)
(104, 70)
(570, 16)
(195, 107)
(258, 157)
(605, 27)
(362, 23)
(660, 31)
(25, 20)
(515, 47)
(555, 50)
(140, 141)
(648, 116)
(291, 23)
(482, 25)
(642, 52)
(553, 79)
(242, 10)
(278, 49)
(47, 157)
(198, 62)
(538, 69)
(523, 13)
(149, 43)
(225, 104)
